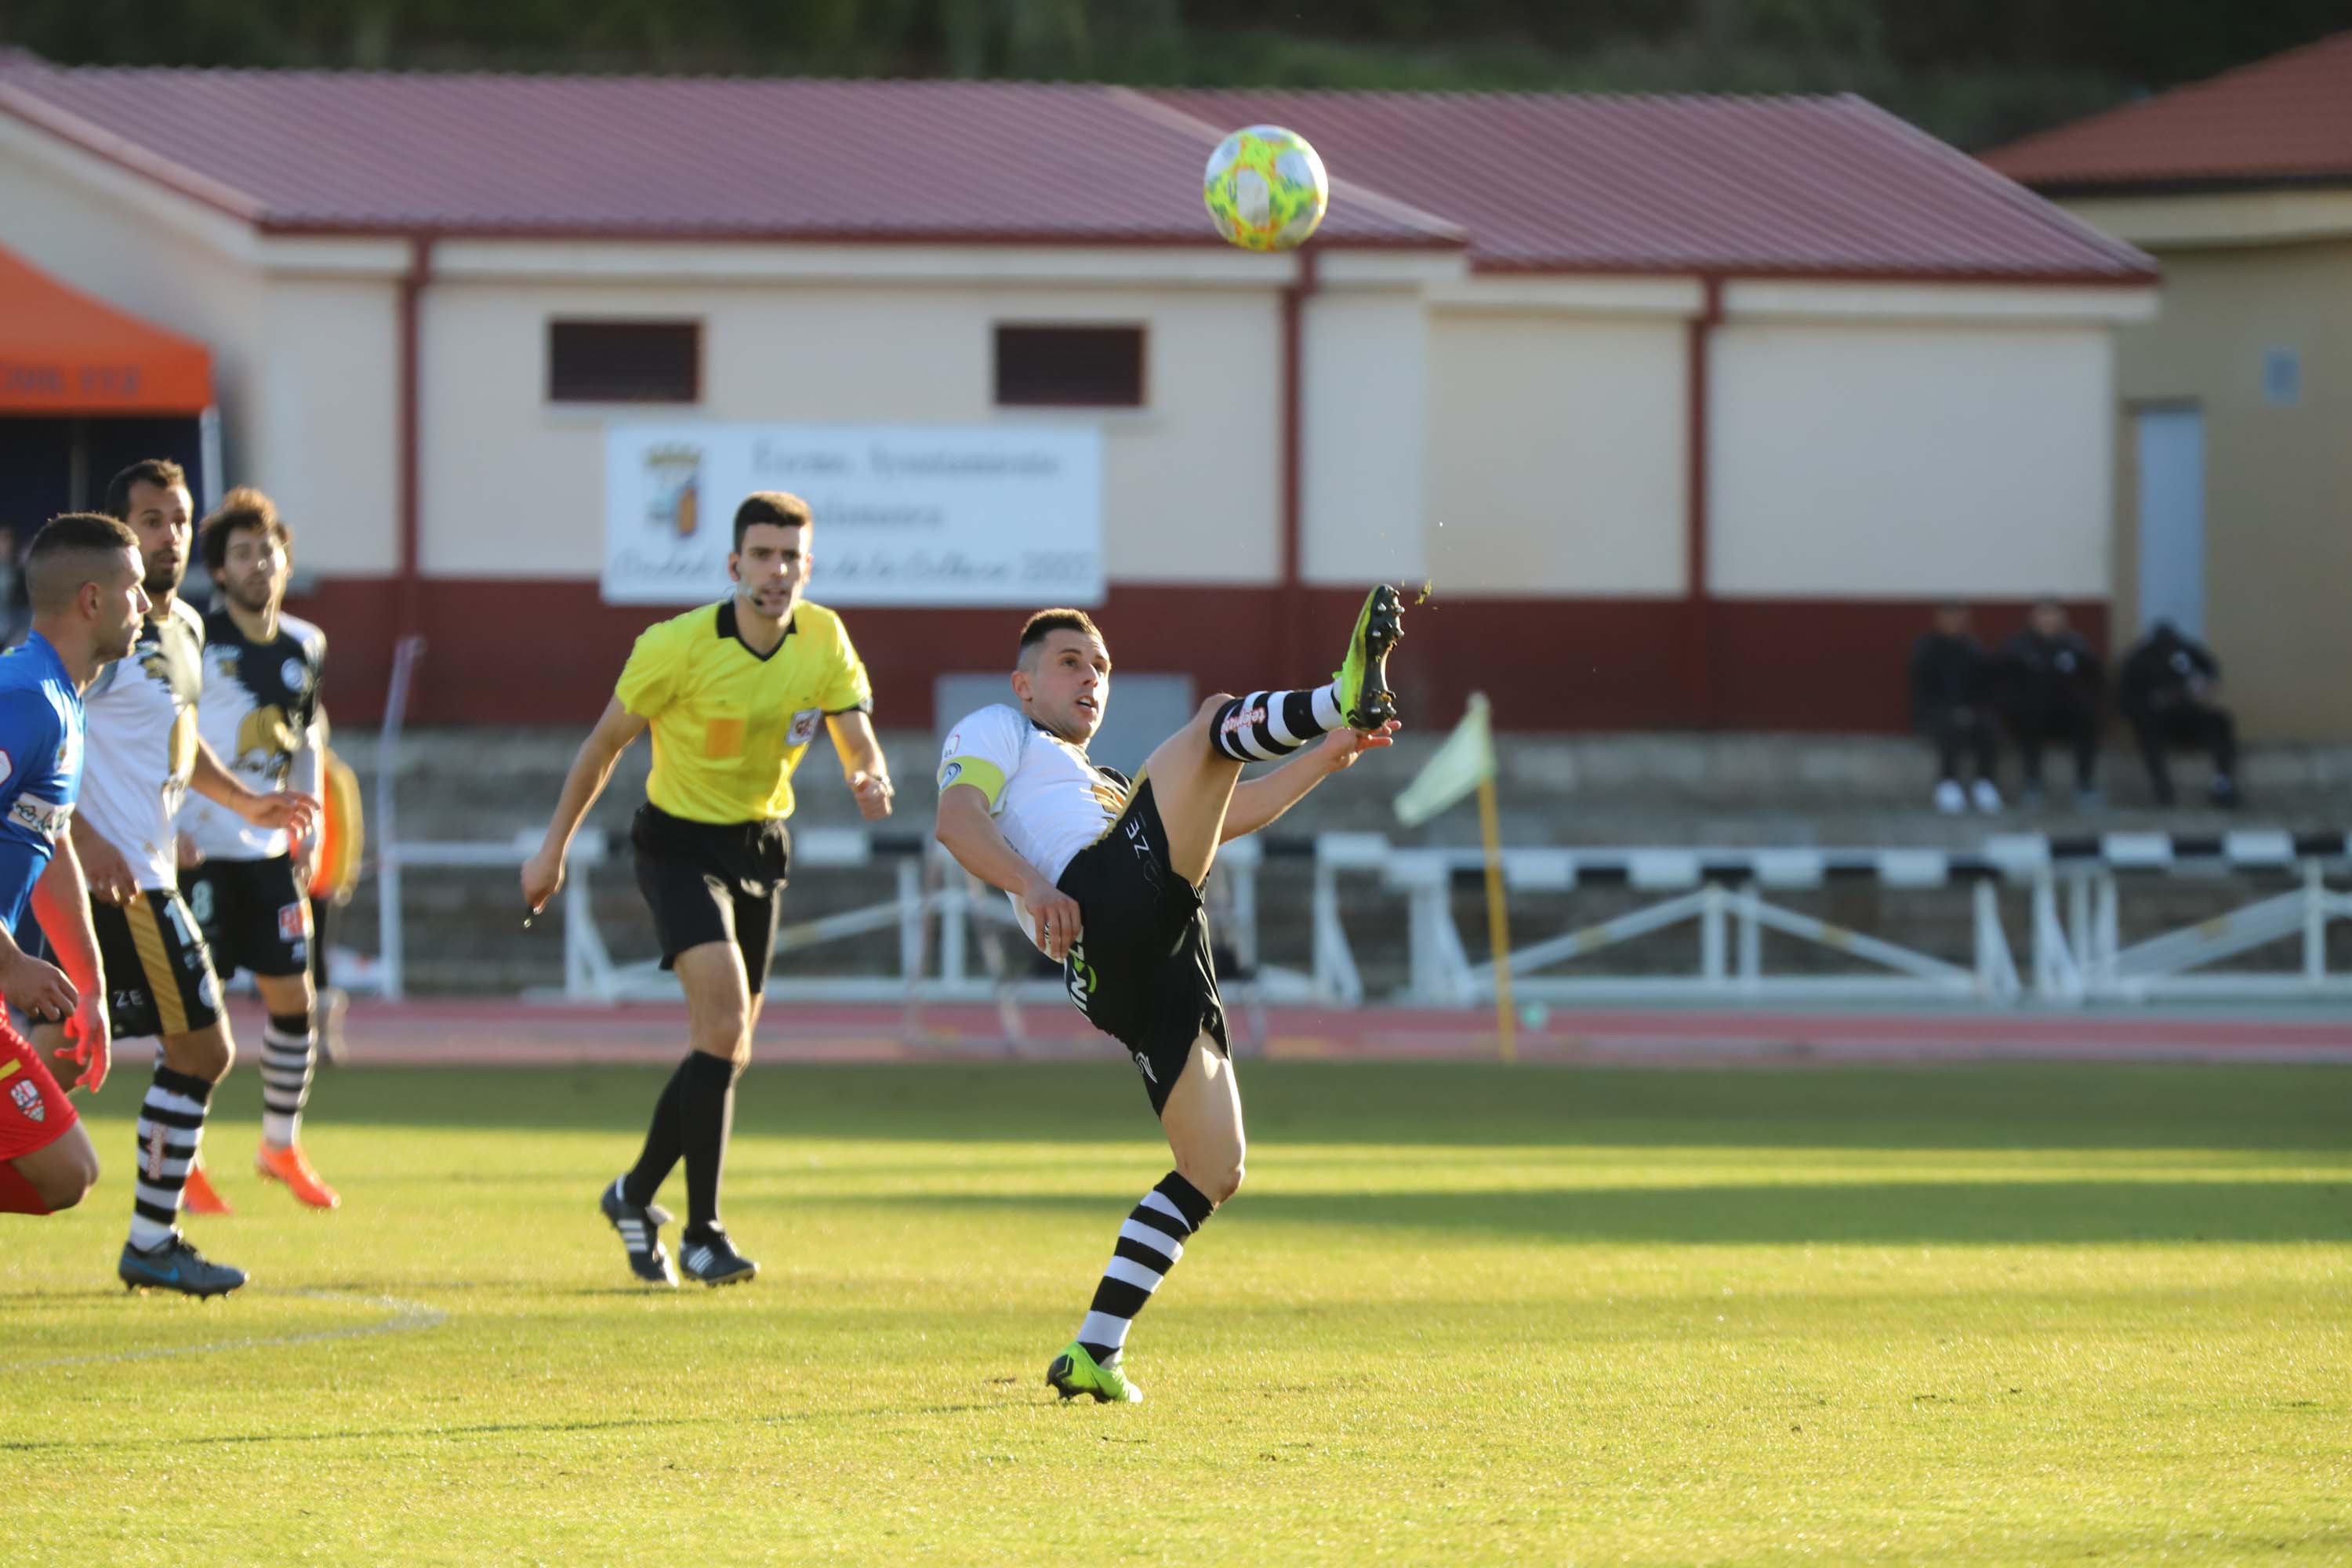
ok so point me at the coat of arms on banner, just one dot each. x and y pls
(673, 489)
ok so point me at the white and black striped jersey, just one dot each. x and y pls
(259, 715)
(142, 743)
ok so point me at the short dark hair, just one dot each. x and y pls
(243, 507)
(58, 561)
(772, 507)
(1046, 622)
(161, 472)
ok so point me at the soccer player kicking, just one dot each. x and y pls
(82, 575)
(1106, 877)
(145, 754)
(248, 886)
(733, 693)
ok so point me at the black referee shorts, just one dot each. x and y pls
(1142, 973)
(712, 882)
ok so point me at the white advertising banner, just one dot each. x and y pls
(904, 514)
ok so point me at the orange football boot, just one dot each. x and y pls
(199, 1195)
(292, 1166)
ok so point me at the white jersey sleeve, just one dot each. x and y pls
(984, 749)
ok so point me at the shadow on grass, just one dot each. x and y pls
(488, 1429)
(1892, 1214)
(1964, 1106)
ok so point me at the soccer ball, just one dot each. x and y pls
(1266, 188)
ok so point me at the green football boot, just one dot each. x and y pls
(1073, 1373)
(1365, 699)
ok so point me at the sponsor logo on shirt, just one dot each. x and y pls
(45, 817)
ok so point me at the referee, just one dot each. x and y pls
(733, 693)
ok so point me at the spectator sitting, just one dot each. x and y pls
(1950, 679)
(2162, 690)
(2050, 689)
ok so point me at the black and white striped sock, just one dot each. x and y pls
(171, 1129)
(1269, 724)
(288, 1050)
(1149, 1245)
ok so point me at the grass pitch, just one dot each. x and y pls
(1459, 1314)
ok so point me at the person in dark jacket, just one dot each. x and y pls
(2050, 683)
(2162, 690)
(1950, 683)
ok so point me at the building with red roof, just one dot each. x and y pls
(1689, 406)
(2235, 505)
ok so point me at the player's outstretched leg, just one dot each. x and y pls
(1192, 772)
(1203, 1117)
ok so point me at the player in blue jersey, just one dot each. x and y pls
(83, 574)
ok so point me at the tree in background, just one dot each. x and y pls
(1975, 72)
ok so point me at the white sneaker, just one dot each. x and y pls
(1987, 797)
(1949, 799)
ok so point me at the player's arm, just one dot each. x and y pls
(306, 773)
(1258, 802)
(592, 768)
(968, 831)
(861, 762)
(297, 814)
(61, 904)
(105, 869)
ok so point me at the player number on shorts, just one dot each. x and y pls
(200, 902)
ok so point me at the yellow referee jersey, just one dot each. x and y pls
(729, 726)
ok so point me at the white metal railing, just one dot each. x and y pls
(949, 931)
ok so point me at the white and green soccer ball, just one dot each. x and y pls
(1266, 188)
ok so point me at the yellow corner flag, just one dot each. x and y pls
(1460, 765)
(1464, 763)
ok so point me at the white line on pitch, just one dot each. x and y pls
(408, 1317)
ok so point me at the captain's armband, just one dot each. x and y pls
(978, 772)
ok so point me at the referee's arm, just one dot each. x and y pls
(861, 762)
(592, 768)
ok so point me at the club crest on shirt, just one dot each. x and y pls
(28, 1100)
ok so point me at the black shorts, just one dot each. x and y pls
(712, 882)
(159, 974)
(253, 914)
(1142, 973)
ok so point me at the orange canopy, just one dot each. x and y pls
(63, 352)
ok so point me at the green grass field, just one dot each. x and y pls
(1474, 1314)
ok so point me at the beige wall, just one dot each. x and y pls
(1901, 459)
(303, 362)
(322, 421)
(1557, 453)
(1363, 476)
(2278, 480)
(1189, 482)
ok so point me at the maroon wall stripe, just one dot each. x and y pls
(524, 652)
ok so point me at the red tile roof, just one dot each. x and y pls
(2285, 120)
(1787, 187)
(1760, 187)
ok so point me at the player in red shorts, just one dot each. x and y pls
(83, 573)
